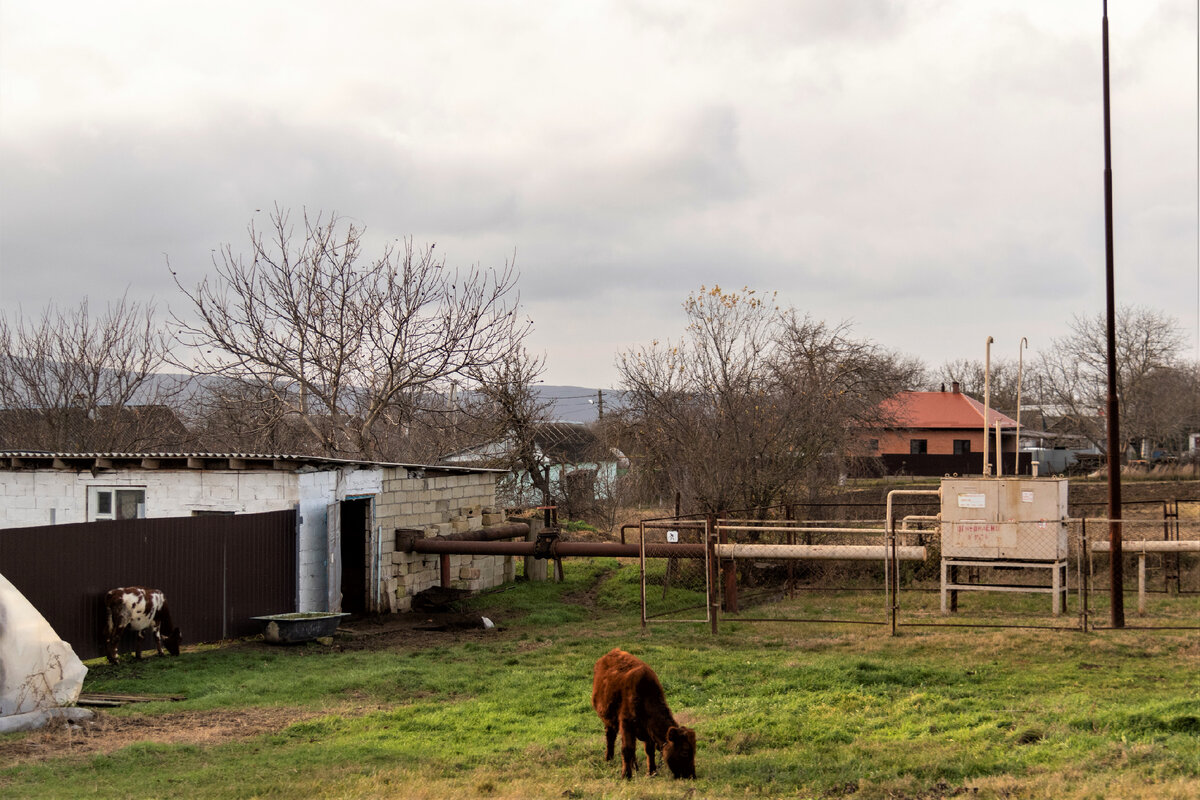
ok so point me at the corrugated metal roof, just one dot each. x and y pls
(197, 460)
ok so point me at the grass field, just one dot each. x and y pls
(780, 710)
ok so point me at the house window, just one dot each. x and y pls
(962, 447)
(109, 502)
(873, 444)
(918, 446)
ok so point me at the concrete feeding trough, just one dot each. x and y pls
(304, 626)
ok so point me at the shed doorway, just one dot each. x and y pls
(355, 519)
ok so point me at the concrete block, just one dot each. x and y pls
(469, 573)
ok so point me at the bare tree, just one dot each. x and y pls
(72, 381)
(743, 411)
(343, 345)
(1150, 376)
(233, 416)
(508, 413)
(969, 375)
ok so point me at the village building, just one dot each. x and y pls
(347, 512)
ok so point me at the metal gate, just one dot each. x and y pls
(675, 587)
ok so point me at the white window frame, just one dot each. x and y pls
(94, 514)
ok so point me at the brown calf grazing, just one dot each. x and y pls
(629, 699)
(139, 608)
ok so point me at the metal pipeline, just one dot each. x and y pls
(505, 530)
(559, 549)
(556, 549)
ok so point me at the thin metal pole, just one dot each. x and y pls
(642, 568)
(1117, 587)
(987, 401)
(1020, 374)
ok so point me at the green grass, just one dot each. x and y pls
(780, 710)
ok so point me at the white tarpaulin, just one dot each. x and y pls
(39, 672)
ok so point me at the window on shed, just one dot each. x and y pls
(110, 502)
(918, 446)
(962, 447)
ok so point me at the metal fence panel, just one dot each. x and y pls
(216, 571)
(674, 589)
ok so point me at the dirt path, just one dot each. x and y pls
(106, 733)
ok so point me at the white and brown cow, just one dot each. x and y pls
(139, 608)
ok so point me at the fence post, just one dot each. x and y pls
(1085, 576)
(729, 571)
(714, 601)
(893, 572)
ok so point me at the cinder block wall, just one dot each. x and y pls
(437, 504)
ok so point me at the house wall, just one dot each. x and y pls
(436, 505)
(940, 442)
(56, 497)
(319, 572)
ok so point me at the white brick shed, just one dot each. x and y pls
(345, 509)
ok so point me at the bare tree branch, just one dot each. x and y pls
(69, 380)
(339, 343)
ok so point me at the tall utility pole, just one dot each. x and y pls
(600, 402)
(1114, 430)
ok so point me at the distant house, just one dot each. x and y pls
(579, 465)
(939, 433)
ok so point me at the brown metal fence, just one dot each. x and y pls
(217, 571)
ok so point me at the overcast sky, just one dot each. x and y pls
(929, 170)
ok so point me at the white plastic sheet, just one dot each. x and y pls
(38, 670)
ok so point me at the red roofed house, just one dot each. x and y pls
(940, 433)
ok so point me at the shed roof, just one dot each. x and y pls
(36, 459)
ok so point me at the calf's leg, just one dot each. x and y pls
(651, 768)
(610, 738)
(628, 750)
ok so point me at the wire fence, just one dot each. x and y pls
(913, 569)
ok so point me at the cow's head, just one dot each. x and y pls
(172, 640)
(679, 752)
